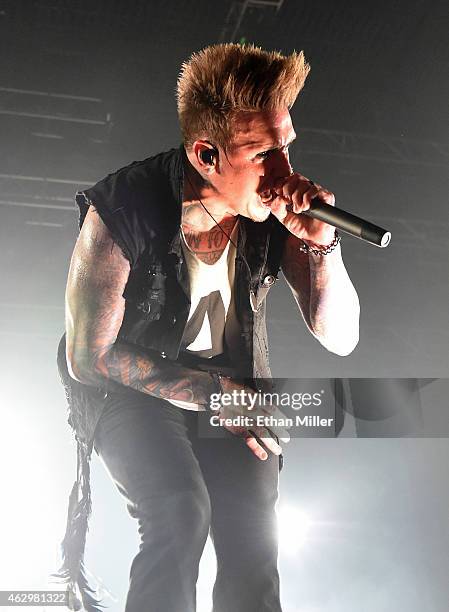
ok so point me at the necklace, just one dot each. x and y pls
(252, 295)
(210, 215)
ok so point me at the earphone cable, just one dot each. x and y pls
(210, 215)
(252, 299)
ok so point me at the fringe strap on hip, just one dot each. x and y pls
(72, 570)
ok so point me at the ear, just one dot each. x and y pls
(206, 155)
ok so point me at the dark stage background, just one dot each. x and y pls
(88, 87)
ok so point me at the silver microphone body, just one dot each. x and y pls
(349, 223)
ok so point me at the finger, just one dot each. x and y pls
(290, 191)
(323, 194)
(284, 186)
(292, 184)
(266, 436)
(270, 422)
(296, 224)
(326, 196)
(275, 416)
(271, 443)
(301, 199)
(278, 207)
(275, 411)
(278, 430)
(257, 449)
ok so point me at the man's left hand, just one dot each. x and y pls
(296, 192)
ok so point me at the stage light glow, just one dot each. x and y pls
(293, 528)
(30, 524)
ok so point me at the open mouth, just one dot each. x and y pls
(267, 196)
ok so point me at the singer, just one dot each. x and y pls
(165, 306)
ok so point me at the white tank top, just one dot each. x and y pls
(212, 321)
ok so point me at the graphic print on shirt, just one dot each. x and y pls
(211, 293)
(204, 332)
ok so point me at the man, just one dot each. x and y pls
(165, 306)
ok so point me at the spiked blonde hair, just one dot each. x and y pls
(222, 80)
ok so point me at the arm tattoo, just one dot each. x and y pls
(154, 375)
(325, 295)
(95, 308)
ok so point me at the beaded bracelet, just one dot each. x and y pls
(324, 250)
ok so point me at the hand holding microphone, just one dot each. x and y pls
(308, 211)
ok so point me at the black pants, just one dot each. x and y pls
(178, 485)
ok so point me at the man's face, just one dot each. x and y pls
(257, 157)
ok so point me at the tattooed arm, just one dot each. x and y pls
(94, 312)
(325, 295)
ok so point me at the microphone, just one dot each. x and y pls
(349, 223)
